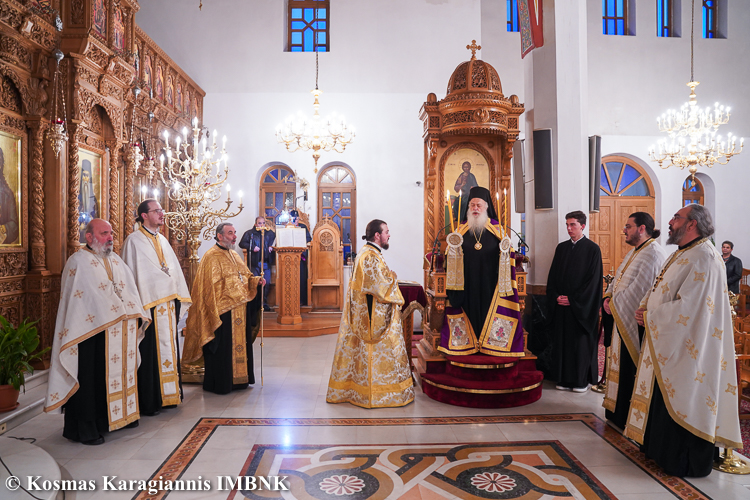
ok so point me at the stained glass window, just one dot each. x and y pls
(615, 17)
(337, 196)
(307, 26)
(512, 15)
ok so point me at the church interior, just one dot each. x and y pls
(550, 104)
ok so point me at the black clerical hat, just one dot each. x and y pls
(483, 194)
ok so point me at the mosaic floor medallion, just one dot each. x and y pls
(467, 471)
(539, 469)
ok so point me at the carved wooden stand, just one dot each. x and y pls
(287, 284)
(427, 350)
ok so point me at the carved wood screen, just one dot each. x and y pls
(105, 117)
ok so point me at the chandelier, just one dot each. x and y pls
(691, 131)
(57, 134)
(316, 134)
(193, 175)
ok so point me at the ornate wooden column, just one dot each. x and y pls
(75, 132)
(130, 170)
(37, 127)
(115, 214)
(287, 285)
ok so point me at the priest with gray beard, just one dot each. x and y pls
(95, 346)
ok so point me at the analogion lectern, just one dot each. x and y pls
(290, 243)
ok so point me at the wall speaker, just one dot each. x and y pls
(519, 178)
(543, 197)
(595, 171)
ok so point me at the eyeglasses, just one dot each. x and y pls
(158, 211)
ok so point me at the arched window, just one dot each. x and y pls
(337, 199)
(621, 178)
(692, 192)
(277, 192)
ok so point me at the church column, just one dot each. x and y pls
(130, 170)
(115, 214)
(556, 95)
(36, 198)
(75, 131)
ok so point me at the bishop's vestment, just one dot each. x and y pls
(484, 313)
(220, 322)
(685, 396)
(370, 365)
(95, 347)
(633, 279)
(165, 297)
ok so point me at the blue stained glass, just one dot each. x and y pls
(269, 212)
(328, 212)
(322, 49)
(322, 13)
(296, 37)
(326, 199)
(279, 201)
(321, 38)
(268, 178)
(604, 26)
(640, 188)
(345, 230)
(345, 212)
(611, 7)
(320, 25)
(337, 220)
(629, 175)
(507, 13)
(309, 15)
(620, 8)
(298, 25)
(336, 201)
(296, 49)
(269, 199)
(620, 27)
(614, 173)
(603, 192)
(308, 40)
(610, 27)
(296, 13)
(346, 198)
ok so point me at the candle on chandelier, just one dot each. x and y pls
(228, 189)
(240, 195)
(450, 209)
(458, 222)
(156, 193)
(506, 227)
(497, 202)
(144, 190)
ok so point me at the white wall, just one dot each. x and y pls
(388, 55)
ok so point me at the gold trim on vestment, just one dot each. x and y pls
(127, 391)
(239, 345)
(483, 367)
(168, 375)
(482, 391)
(491, 315)
(372, 389)
(168, 298)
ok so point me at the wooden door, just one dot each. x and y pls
(625, 188)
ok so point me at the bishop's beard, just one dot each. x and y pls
(677, 234)
(477, 223)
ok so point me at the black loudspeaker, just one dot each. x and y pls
(543, 198)
(519, 178)
(595, 171)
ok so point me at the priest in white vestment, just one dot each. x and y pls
(165, 296)
(685, 397)
(95, 347)
(632, 281)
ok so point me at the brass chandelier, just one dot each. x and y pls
(692, 141)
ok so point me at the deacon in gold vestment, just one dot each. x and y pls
(164, 293)
(219, 325)
(685, 397)
(95, 347)
(370, 366)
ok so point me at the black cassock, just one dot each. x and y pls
(480, 278)
(628, 370)
(576, 272)
(149, 371)
(217, 354)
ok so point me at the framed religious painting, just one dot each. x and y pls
(464, 169)
(89, 191)
(10, 190)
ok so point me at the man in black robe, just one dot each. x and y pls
(303, 258)
(257, 241)
(574, 290)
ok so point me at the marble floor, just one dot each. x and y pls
(295, 377)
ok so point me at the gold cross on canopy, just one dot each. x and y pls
(473, 48)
